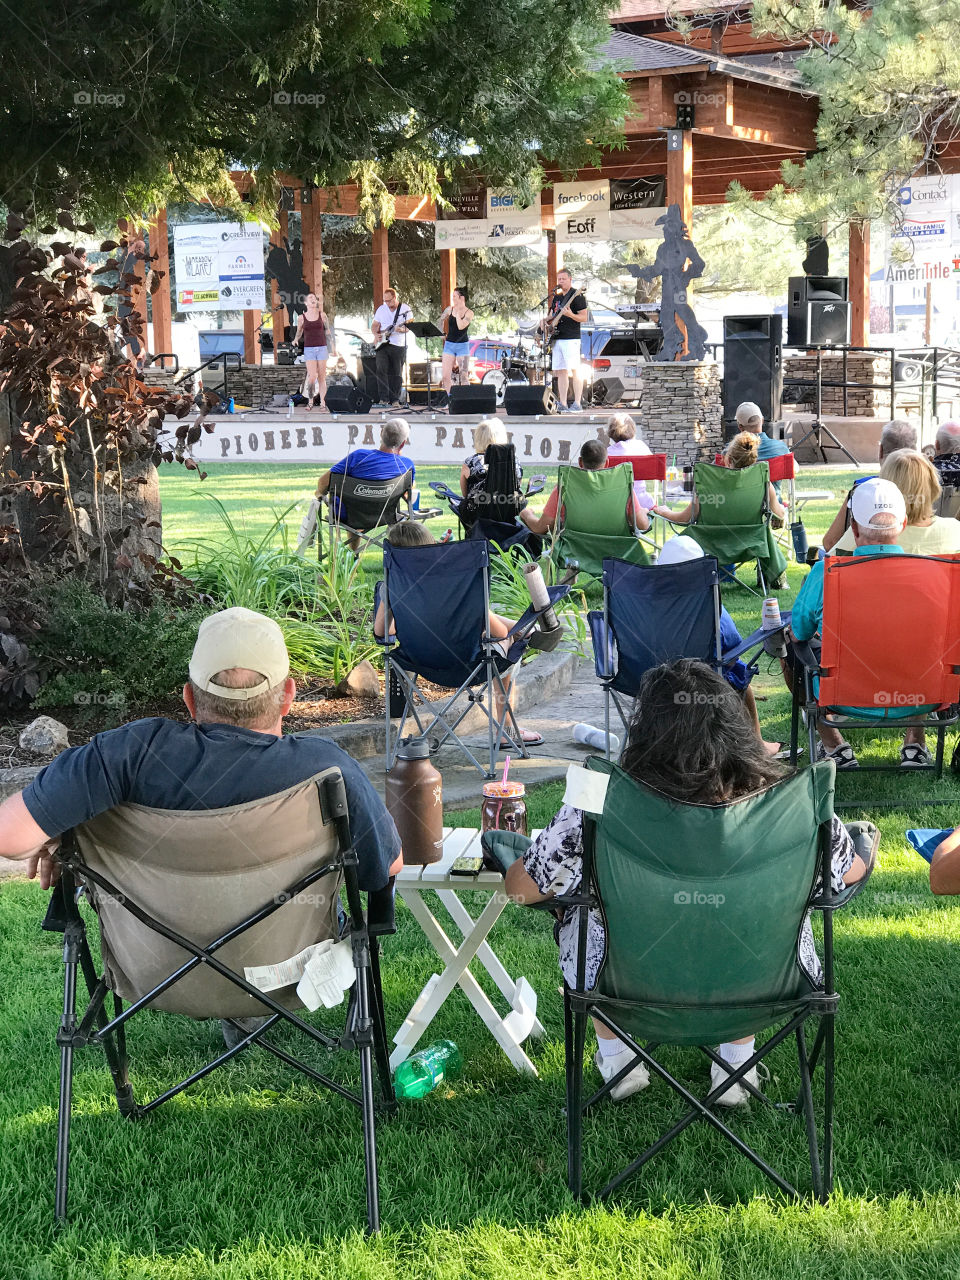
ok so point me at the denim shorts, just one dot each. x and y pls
(456, 349)
(314, 353)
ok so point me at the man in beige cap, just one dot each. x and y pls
(749, 418)
(232, 751)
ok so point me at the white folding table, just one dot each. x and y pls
(413, 884)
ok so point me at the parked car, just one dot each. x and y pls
(621, 353)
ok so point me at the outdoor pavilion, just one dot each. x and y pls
(750, 114)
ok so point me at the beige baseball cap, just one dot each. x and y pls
(239, 638)
(747, 413)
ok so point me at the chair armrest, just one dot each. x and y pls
(806, 656)
(444, 490)
(382, 910)
(501, 849)
(866, 842)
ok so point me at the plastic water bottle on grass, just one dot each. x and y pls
(421, 1074)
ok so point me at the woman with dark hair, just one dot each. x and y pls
(690, 739)
(455, 321)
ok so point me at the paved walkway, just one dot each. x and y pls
(462, 783)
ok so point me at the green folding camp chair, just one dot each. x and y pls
(733, 521)
(703, 906)
(595, 525)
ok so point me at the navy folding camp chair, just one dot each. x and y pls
(438, 598)
(652, 614)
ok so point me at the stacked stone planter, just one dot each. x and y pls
(680, 411)
(869, 399)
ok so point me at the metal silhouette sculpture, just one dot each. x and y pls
(677, 262)
(285, 265)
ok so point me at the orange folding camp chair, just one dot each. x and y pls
(890, 649)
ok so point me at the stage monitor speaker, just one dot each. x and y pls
(752, 364)
(285, 354)
(606, 392)
(802, 291)
(418, 395)
(473, 399)
(347, 400)
(523, 401)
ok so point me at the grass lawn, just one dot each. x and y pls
(253, 1176)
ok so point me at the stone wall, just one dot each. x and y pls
(870, 398)
(680, 409)
(249, 386)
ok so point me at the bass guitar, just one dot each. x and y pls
(547, 334)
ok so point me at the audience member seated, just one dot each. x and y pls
(623, 442)
(593, 457)
(878, 515)
(924, 534)
(945, 865)
(739, 454)
(690, 739)
(473, 473)
(739, 675)
(408, 534)
(374, 464)
(232, 751)
(898, 434)
(946, 457)
(749, 418)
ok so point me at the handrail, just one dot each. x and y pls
(164, 355)
(224, 356)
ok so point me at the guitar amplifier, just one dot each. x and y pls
(286, 353)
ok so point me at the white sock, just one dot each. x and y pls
(610, 1047)
(737, 1054)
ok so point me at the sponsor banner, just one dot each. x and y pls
(219, 266)
(468, 233)
(931, 216)
(466, 204)
(581, 211)
(512, 223)
(635, 206)
(259, 439)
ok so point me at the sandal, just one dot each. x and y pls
(529, 738)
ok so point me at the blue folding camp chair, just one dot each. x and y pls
(439, 600)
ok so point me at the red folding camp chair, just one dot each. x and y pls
(870, 666)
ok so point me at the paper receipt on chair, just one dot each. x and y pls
(323, 973)
(268, 977)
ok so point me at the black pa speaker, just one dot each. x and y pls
(828, 322)
(752, 364)
(342, 399)
(522, 400)
(803, 325)
(369, 380)
(606, 391)
(285, 354)
(473, 399)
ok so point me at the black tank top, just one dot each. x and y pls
(455, 334)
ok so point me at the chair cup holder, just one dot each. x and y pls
(546, 641)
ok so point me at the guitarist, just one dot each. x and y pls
(390, 335)
(567, 313)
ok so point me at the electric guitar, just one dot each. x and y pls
(384, 334)
(547, 335)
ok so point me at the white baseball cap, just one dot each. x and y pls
(875, 497)
(239, 638)
(747, 413)
(680, 549)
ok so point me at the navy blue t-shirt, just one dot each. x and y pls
(165, 764)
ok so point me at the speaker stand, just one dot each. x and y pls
(818, 429)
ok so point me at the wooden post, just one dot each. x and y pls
(160, 301)
(312, 247)
(381, 264)
(281, 316)
(859, 272)
(554, 263)
(251, 347)
(448, 275)
(680, 178)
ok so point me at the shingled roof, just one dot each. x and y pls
(640, 55)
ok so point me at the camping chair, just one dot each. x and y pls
(439, 600)
(948, 504)
(652, 469)
(190, 906)
(494, 513)
(592, 522)
(733, 519)
(703, 905)
(652, 614)
(359, 507)
(866, 670)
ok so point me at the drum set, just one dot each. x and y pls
(526, 363)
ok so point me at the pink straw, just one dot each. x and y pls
(506, 770)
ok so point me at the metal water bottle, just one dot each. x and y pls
(414, 800)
